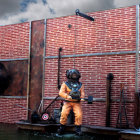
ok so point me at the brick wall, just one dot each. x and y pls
(14, 43)
(10, 112)
(112, 31)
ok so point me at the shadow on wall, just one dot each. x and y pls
(5, 79)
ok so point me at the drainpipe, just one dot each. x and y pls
(137, 48)
(137, 94)
(43, 79)
(28, 79)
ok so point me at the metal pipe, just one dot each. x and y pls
(94, 99)
(23, 107)
(109, 79)
(137, 48)
(84, 15)
(93, 54)
(59, 98)
(14, 97)
(29, 61)
(52, 98)
(44, 54)
(58, 74)
(16, 59)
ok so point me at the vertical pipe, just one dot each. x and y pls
(44, 54)
(28, 80)
(108, 100)
(58, 74)
(137, 48)
(110, 77)
(137, 100)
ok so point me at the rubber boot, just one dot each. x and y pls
(60, 131)
(78, 130)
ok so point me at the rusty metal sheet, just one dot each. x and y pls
(36, 64)
(17, 71)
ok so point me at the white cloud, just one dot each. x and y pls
(36, 11)
(9, 7)
(122, 3)
(67, 7)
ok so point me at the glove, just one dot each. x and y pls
(69, 97)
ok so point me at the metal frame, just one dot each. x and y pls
(14, 97)
(93, 54)
(60, 98)
(16, 59)
(137, 48)
(94, 99)
(28, 81)
(43, 79)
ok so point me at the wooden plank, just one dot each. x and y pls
(101, 130)
(126, 134)
(31, 127)
(130, 135)
(85, 128)
(137, 110)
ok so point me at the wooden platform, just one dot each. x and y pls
(101, 130)
(125, 134)
(36, 126)
(130, 134)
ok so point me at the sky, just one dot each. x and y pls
(17, 11)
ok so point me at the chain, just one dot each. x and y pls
(75, 41)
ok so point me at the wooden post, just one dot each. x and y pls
(137, 110)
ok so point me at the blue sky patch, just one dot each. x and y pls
(44, 2)
(24, 4)
(24, 20)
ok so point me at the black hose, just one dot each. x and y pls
(59, 59)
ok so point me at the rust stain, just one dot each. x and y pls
(18, 72)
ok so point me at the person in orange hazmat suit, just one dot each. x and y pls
(73, 92)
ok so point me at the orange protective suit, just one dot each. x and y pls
(71, 104)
